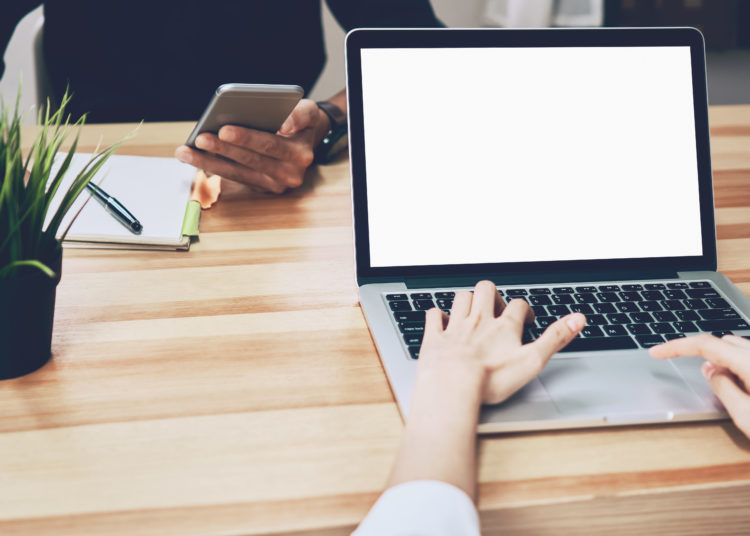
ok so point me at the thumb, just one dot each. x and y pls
(558, 335)
(732, 396)
(302, 117)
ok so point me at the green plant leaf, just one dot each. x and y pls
(27, 185)
(8, 268)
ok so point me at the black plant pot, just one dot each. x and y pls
(27, 310)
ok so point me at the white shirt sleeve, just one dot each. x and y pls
(421, 508)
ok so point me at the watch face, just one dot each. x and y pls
(331, 145)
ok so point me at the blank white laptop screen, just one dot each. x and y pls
(491, 155)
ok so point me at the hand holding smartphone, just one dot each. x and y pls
(241, 140)
(258, 106)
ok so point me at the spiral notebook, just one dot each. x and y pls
(155, 190)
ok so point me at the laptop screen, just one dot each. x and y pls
(507, 155)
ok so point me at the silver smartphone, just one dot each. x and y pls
(257, 106)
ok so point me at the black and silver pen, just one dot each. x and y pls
(114, 207)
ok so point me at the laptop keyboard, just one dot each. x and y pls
(619, 317)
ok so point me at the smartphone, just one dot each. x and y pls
(258, 106)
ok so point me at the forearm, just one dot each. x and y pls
(440, 438)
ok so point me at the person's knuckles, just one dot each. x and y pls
(305, 157)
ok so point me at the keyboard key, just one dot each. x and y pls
(585, 298)
(647, 341)
(592, 331)
(539, 291)
(664, 316)
(394, 297)
(540, 300)
(630, 296)
(632, 287)
(655, 286)
(627, 307)
(722, 325)
(509, 298)
(673, 305)
(583, 344)
(412, 328)
(614, 331)
(675, 294)
(400, 306)
(662, 327)
(414, 352)
(423, 305)
(700, 284)
(421, 296)
(539, 310)
(670, 336)
(608, 297)
(563, 290)
(445, 295)
(638, 329)
(445, 304)
(604, 308)
(686, 327)
(677, 285)
(500, 292)
(527, 336)
(596, 320)
(562, 299)
(585, 290)
(558, 310)
(584, 308)
(702, 293)
(695, 304)
(409, 316)
(717, 303)
(650, 306)
(652, 295)
(687, 315)
(714, 314)
(609, 288)
(720, 334)
(516, 292)
(618, 318)
(642, 318)
(544, 321)
(413, 339)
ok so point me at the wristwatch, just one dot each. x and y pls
(336, 138)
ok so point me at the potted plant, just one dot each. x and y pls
(30, 241)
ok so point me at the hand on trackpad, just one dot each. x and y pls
(602, 385)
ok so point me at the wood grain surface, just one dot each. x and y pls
(234, 389)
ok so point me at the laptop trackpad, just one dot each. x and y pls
(607, 385)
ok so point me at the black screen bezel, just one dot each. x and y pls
(471, 38)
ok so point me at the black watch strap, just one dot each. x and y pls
(336, 139)
(334, 113)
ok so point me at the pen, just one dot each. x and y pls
(114, 207)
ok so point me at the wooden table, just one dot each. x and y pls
(235, 389)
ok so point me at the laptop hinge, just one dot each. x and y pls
(537, 278)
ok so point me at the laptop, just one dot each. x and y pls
(571, 167)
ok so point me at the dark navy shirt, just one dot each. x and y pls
(161, 60)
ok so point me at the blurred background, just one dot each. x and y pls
(724, 23)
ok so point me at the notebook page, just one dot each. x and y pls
(155, 190)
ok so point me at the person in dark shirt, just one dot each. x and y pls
(161, 60)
